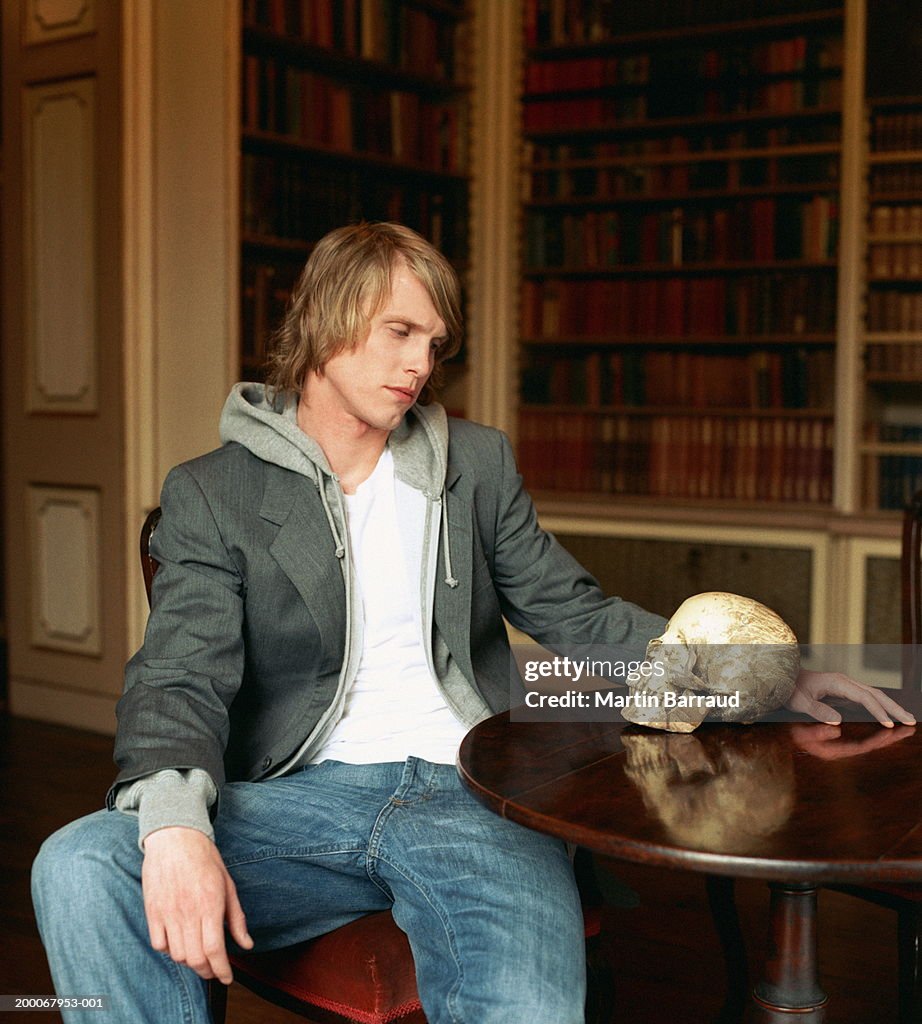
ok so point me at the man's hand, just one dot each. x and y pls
(188, 894)
(812, 687)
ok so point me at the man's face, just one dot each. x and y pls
(376, 381)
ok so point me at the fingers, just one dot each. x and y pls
(883, 707)
(236, 919)
(869, 700)
(200, 946)
(800, 701)
(214, 963)
(821, 712)
(899, 713)
(157, 932)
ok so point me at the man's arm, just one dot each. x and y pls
(545, 592)
(180, 685)
(173, 728)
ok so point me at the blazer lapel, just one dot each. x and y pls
(304, 548)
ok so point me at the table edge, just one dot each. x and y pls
(906, 872)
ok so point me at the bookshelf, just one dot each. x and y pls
(350, 109)
(891, 444)
(680, 211)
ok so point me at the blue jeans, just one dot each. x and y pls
(490, 908)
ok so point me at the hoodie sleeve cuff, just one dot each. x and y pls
(169, 798)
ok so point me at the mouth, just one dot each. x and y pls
(407, 395)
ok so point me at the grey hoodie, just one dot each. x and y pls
(419, 446)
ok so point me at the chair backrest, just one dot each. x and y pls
(911, 571)
(911, 592)
(149, 565)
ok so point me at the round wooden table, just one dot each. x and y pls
(792, 803)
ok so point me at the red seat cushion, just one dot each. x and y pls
(362, 971)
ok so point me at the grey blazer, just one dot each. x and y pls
(247, 631)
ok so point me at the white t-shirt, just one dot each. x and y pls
(394, 708)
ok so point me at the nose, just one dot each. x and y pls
(420, 358)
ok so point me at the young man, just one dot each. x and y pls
(327, 623)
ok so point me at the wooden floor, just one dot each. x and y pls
(664, 951)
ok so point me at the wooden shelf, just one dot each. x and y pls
(260, 141)
(710, 512)
(344, 66)
(647, 508)
(877, 103)
(685, 198)
(684, 341)
(456, 10)
(727, 79)
(906, 238)
(740, 267)
(891, 448)
(892, 377)
(893, 197)
(687, 157)
(649, 410)
(452, 10)
(896, 156)
(296, 246)
(893, 338)
(702, 123)
(655, 37)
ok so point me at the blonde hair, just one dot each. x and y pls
(345, 281)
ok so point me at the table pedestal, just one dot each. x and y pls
(790, 989)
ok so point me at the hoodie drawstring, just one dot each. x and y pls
(446, 547)
(331, 522)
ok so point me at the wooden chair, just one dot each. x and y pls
(363, 972)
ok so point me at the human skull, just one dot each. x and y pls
(722, 655)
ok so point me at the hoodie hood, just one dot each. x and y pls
(269, 429)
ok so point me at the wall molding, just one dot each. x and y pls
(64, 555)
(46, 21)
(60, 223)
(34, 698)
